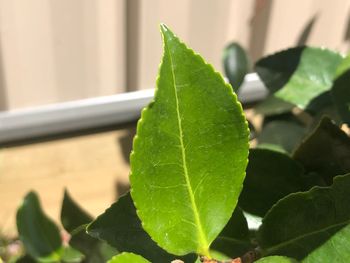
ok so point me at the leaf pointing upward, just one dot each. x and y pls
(190, 153)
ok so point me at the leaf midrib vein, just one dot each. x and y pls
(201, 235)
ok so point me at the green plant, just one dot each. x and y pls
(190, 160)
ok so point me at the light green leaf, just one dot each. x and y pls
(236, 64)
(39, 234)
(190, 153)
(276, 259)
(233, 241)
(343, 67)
(298, 75)
(325, 152)
(121, 228)
(128, 258)
(270, 176)
(70, 255)
(335, 249)
(301, 222)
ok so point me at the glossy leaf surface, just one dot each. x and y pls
(39, 234)
(120, 226)
(233, 241)
(190, 153)
(236, 64)
(298, 75)
(335, 249)
(270, 176)
(301, 222)
(325, 152)
(273, 105)
(128, 258)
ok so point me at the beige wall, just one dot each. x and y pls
(53, 51)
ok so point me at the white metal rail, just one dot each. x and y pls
(93, 113)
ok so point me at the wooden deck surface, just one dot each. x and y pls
(88, 166)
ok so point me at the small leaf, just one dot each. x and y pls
(190, 153)
(276, 259)
(270, 176)
(70, 255)
(273, 106)
(128, 258)
(39, 234)
(236, 64)
(284, 135)
(301, 222)
(298, 75)
(233, 240)
(335, 249)
(325, 152)
(74, 217)
(341, 96)
(121, 228)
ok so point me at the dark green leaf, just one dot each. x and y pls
(128, 258)
(298, 75)
(236, 64)
(301, 222)
(233, 240)
(284, 135)
(270, 176)
(39, 234)
(74, 217)
(121, 228)
(273, 105)
(335, 249)
(325, 152)
(276, 259)
(190, 153)
(341, 96)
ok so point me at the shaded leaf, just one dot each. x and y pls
(128, 258)
(276, 259)
(325, 152)
(233, 241)
(190, 153)
(285, 135)
(335, 249)
(236, 64)
(292, 75)
(39, 234)
(270, 176)
(120, 226)
(301, 222)
(341, 96)
(273, 105)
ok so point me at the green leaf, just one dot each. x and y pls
(341, 96)
(128, 258)
(284, 135)
(276, 259)
(273, 106)
(39, 234)
(190, 153)
(298, 75)
(270, 176)
(335, 249)
(120, 226)
(233, 240)
(236, 64)
(70, 255)
(301, 222)
(74, 219)
(325, 152)
(343, 67)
